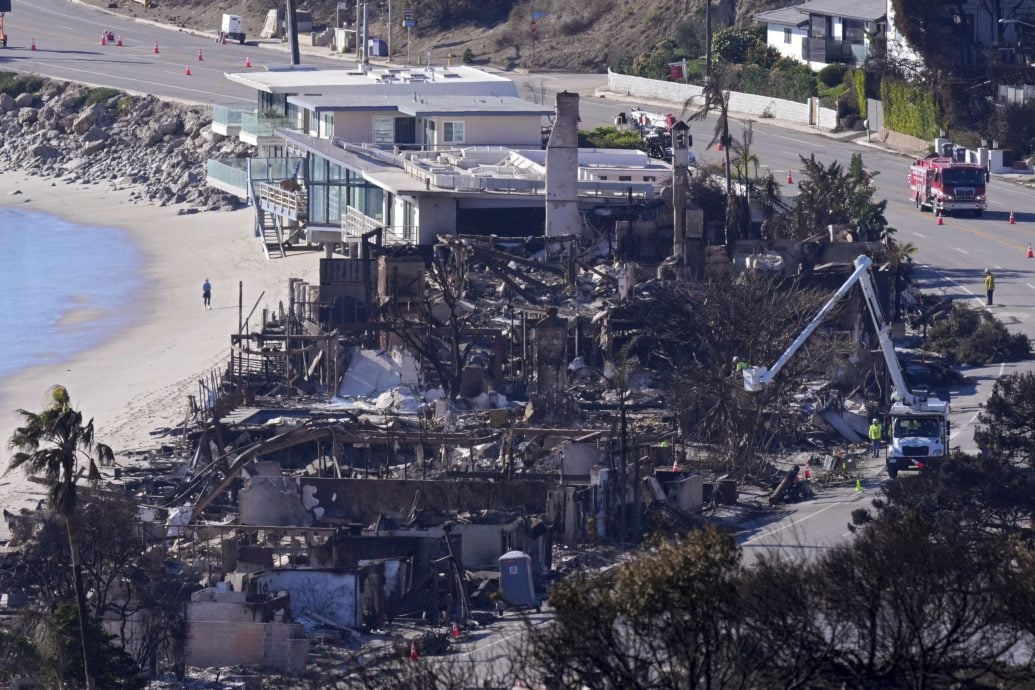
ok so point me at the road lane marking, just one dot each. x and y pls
(969, 230)
(792, 524)
(1030, 285)
(962, 251)
(918, 234)
(953, 435)
(998, 267)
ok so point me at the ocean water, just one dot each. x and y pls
(64, 288)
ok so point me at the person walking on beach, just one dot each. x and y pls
(206, 294)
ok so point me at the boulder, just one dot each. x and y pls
(44, 151)
(87, 118)
(95, 133)
(169, 125)
(7, 103)
(27, 116)
(94, 146)
(24, 100)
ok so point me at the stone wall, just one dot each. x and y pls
(902, 142)
(745, 103)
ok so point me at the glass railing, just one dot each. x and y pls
(259, 126)
(232, 172)
(229, 114)
(238, 172)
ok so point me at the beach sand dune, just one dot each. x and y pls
(139, 378)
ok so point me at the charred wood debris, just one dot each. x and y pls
(424, 414)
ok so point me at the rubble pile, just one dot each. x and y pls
(88, 136)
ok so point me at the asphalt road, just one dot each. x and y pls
(68, 34)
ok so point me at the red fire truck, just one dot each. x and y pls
(944, 184)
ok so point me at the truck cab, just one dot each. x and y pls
(919, 436)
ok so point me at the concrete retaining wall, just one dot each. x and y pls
(746, 103)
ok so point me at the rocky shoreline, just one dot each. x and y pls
(82, 135)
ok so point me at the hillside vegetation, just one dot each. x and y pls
(579, 36)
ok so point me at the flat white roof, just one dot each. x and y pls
(424, 106)
(309, 80)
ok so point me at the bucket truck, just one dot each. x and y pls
(919, 428)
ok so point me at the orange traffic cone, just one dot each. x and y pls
(156, 47)
(456, 631)
(247, 62)
(720, 148)
(414, 655)
(119, 42)
(1031, 255)
(941, 221)
(200, 58)
(104, 40)
(675, 465)
(790, 180)
(807, 475)
(1013, 221)
(187, 71)
(33, 44)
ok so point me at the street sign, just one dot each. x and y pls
(407, 15)
(343, 6)
(409, 23)
(538, 15)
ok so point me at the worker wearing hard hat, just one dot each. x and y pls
(876, 432)
(739, 366)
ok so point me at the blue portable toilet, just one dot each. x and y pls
(516, 586)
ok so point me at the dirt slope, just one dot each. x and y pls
(578, 36)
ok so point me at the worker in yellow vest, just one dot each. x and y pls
(876, 432)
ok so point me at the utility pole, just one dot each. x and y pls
(708, 39)
(292, 31)
(389, 30)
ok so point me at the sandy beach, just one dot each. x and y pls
(139, 378)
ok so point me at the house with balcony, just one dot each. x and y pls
(404, 155)
(820, 32)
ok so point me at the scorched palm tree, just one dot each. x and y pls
(56, 445)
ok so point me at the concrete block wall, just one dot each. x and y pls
(746, 103)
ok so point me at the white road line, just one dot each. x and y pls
(953, 435)
(964, 288)
(920, 235)
(143, 81)
(791, 524)
(998, 268)
(962, 251)
(1030, 285)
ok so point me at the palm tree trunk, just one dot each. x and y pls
(80, 597)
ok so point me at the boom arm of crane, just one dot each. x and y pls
(756, 378)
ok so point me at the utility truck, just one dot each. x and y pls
(919, 425)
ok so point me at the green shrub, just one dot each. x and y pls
(16, 84)
(833, 74)
(468, 56)
(973, 336)
(909, 109)
(859, 78)
(607, 137)
(100, 95)
(731, 45)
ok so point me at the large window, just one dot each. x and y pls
(854, 31)
(786, 35)
(817, 26)
(453, 132)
